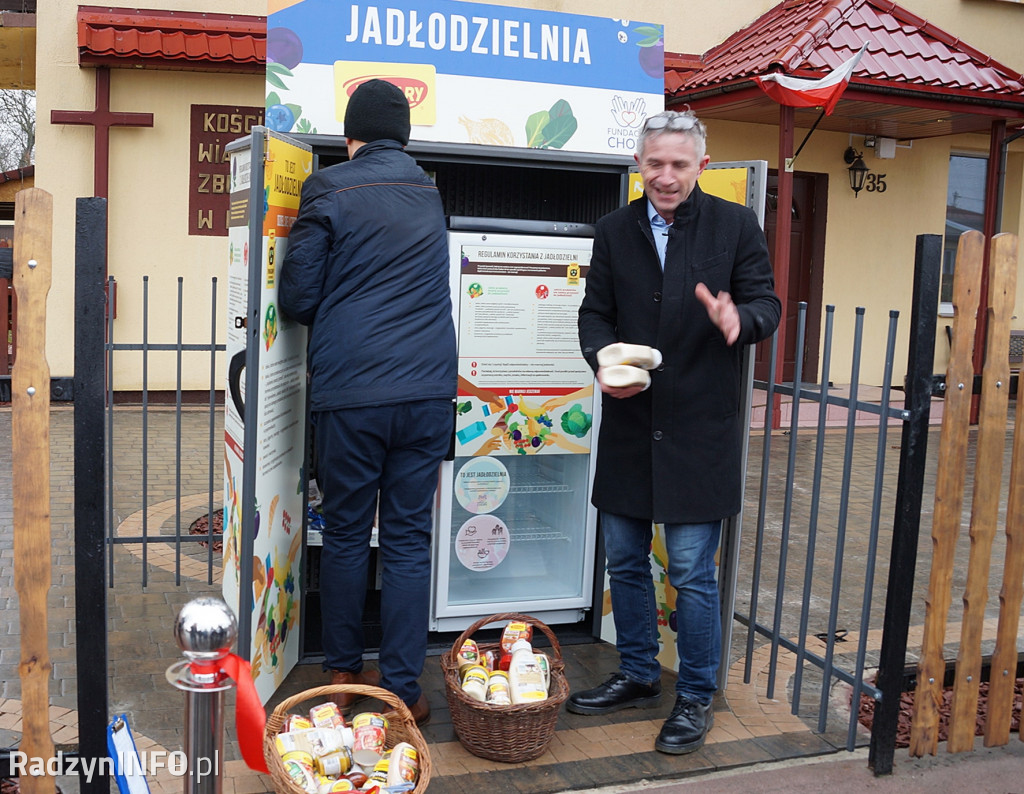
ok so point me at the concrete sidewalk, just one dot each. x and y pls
(988, 770)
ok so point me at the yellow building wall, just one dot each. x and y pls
(870, 239)
(149, 196)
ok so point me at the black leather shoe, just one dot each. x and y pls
(618, 692)
(686, 727)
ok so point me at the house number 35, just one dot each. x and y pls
(875, 183)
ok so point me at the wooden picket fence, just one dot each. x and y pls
(949, 495)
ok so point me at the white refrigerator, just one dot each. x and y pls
(514, 529)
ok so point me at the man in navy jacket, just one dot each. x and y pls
(688, 274)
(367, 269)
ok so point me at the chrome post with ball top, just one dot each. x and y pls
(205, 630)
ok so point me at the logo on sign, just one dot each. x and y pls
(418, 81)
(627, 118)
(415, 90)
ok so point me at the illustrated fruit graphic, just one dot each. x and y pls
(284, 47)
(280, 118)
(490, 131)
(652, 59)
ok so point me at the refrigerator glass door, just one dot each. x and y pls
(515, 528)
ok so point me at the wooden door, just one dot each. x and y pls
(807, 245)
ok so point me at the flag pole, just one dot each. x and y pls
(791, 160)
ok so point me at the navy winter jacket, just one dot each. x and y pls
(367, 267)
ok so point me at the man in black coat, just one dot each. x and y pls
(367, 269)
(689, 275)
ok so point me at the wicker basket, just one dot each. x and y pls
(504, 733)
(401, 728)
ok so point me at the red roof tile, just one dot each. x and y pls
(185, 40)
(809, 38)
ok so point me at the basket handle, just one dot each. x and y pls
(277, 717)
(504, 616)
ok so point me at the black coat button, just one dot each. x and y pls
(657, 435)
(657, 297)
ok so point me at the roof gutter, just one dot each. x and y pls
(1016, 106)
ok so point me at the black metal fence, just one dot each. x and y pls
(806, 612)
(816, 563)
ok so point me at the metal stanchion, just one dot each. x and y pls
(205, 630)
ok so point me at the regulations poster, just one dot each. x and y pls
(275, 537)
(524, 387)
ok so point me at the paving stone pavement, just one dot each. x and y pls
(586, 752)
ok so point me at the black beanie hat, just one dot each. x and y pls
(377, 109)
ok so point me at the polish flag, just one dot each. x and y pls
(801, 92)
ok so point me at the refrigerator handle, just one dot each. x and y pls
(450, 455)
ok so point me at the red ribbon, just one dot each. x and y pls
(250, 718)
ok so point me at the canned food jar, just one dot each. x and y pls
(303, 776)
(300, 756)
(335, 764)
(326, 715)
(369, 731)
(499, 692)
(474, 682)
(296, 722)
(404, 766)
(469, 654)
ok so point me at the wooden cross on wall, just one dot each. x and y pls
(102, 119)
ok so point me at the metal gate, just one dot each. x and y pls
(833, 508)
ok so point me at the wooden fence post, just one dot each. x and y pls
(988, 478)
(949, 494)
(30, 387)
(1002, 674)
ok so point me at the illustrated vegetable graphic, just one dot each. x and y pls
(280, 118)
(283, 116)
(284, 47)
(551, 129)
(652, 50)
(576, 422)
(492, 131)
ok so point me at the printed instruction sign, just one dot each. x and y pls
(524, 387)
(275, 537)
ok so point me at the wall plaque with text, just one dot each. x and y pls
(211, 129)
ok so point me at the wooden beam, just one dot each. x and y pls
(949, 495)
(30, 448)
(1004, 658)
(988, 479)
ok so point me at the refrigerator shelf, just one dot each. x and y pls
(536, 482)
(527, 526)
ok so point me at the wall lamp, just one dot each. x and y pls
(858, 170)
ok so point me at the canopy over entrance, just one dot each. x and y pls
(914, 81)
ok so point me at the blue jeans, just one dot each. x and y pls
(691, 570)
(394, 450)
